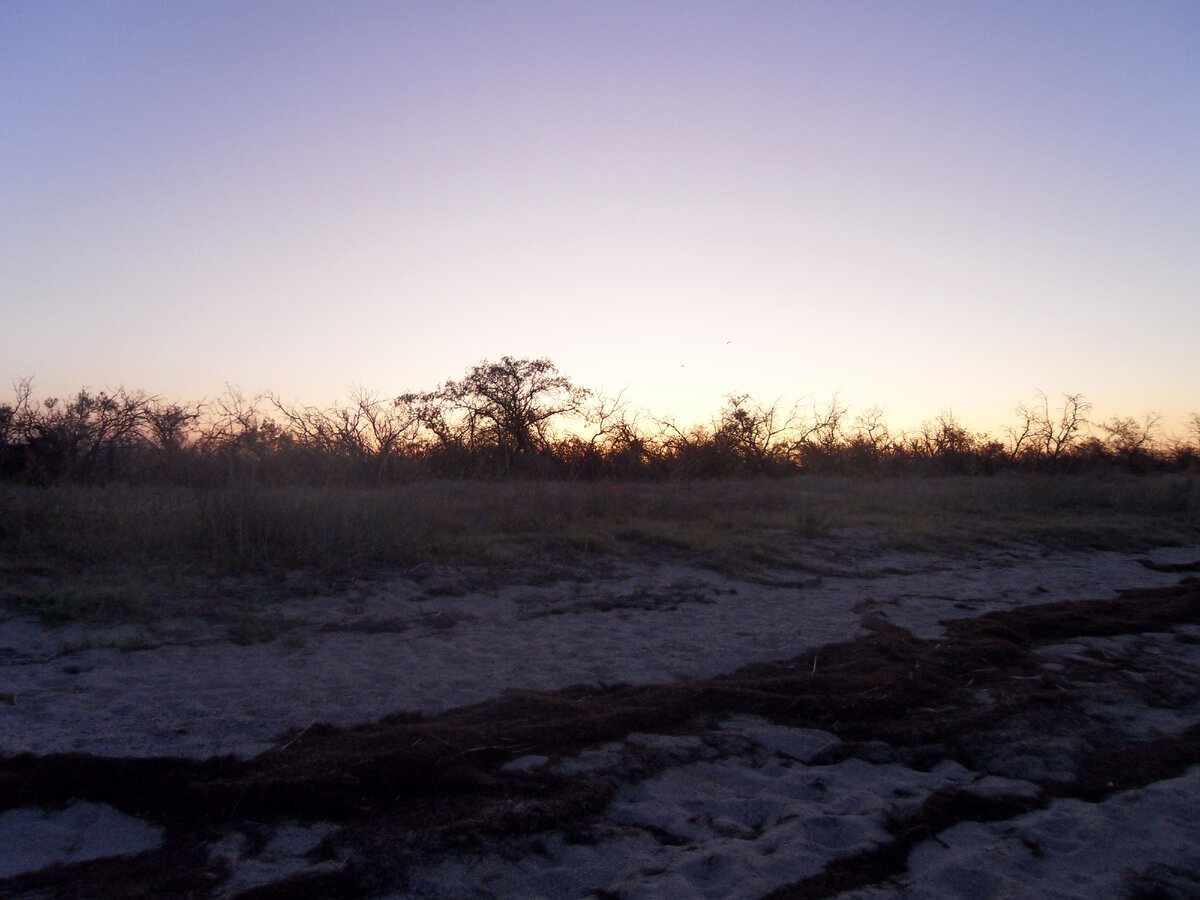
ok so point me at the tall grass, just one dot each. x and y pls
(112, 550)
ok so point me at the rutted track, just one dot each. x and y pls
(1018, 694)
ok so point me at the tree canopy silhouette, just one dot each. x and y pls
(524, 418)
(507, 406)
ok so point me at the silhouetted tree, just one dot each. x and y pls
(506, 406)
(689, 452)
(169, 425)
(1185, 453)
(819, 437)
(81, 439)
(755, 435)
(1131, 441)
(359, 441)
(1043, 434)
(15, 420)
(870, 444)
(614, 441)
(238, 434)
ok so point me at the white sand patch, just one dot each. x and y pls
(282, 857)
(1070, 849)
(32, 839)
(731, 826)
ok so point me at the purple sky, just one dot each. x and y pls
(917, 205)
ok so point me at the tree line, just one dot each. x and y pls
(524, 418)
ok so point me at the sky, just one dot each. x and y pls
(921, 206)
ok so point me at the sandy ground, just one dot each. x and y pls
(742, 802)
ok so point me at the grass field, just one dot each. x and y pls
(121, 552)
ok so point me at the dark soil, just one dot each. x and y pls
(410, 786)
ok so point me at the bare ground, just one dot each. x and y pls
(641, 731)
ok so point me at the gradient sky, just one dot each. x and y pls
(917, 205)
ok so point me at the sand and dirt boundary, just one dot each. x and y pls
(878, 723)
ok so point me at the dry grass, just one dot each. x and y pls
(122, 552)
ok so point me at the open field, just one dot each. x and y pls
(802, 688)
(142, 553)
